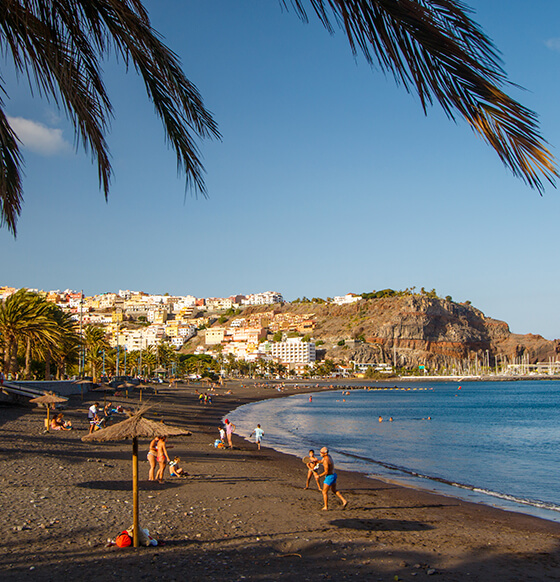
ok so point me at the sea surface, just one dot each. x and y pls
(496, 443)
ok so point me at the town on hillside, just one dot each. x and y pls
(379, 334)
(133, 321)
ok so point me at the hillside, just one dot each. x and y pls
(412, 330)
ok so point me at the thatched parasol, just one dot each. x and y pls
(134, 428)
(49, 398)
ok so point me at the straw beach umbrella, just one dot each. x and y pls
(47, 399)
(135, 427)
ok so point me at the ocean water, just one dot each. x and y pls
(496, 443)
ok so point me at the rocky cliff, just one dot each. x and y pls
(412, 330)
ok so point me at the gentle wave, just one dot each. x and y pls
(292, 426)
(439, 480)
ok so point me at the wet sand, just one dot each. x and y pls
(240, 515)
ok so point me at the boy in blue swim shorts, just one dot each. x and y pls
(330, 479)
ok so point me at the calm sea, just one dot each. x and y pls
(492, 442)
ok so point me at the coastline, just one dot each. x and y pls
(459, 486)
(242, 514)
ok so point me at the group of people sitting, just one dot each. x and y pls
(58, 423)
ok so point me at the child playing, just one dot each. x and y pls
(175, 470)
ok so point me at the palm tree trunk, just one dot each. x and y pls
(27, 371)
(7, 357)
(48, 366)
(13, 365)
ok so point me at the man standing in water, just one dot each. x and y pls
(330, 479)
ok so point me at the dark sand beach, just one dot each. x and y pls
(240, 515)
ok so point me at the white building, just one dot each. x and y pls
(292, 351)
(177, 342)
(347, 299)
(266, 298)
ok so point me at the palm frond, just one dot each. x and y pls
(58, 45)
(434, 48)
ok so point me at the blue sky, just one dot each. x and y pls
(329, 179)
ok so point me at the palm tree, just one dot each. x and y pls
(95, 343)
(432, 47)
(63, 351)
(25, 319)
(68, 349)
(61, 46)
(149, 359)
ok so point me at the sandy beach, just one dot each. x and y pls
(241, 514)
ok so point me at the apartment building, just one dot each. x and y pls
(266, 298)
(292, 351)
(214, 336)
(219, 303)
(247, 334)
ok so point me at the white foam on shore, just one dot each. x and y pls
(282, 434)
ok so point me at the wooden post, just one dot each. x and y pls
(135, 520)
(48, 416)
(140, 394)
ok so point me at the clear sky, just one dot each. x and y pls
(329, 179)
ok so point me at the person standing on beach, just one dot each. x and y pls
(330, 479)
(152, 459)
(312, 467)
(93, 416)
(230, 429)
(162, 458)
(258, 432)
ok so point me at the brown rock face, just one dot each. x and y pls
(423, 330)
(412, 330)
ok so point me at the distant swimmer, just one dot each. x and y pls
(330, 480)
(390, 419)
(311, 399)
(380, 419)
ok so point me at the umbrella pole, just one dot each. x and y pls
(48, 417)
(135, 520)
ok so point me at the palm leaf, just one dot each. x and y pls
(433, 48)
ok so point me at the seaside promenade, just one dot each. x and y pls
(241, 514)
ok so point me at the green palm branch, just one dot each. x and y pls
(59, 46)
(95, 343)
(432, 47)
(25, 320)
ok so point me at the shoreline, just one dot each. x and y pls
(242, 514)
(411, 479)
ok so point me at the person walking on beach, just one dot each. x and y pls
(230, 429)
(258, 432)
(312, 467)
(152, 459)
(162, 458)
(330, 479)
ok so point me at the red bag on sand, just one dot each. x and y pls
(123, 540)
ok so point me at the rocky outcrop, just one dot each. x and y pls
(411, 330)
